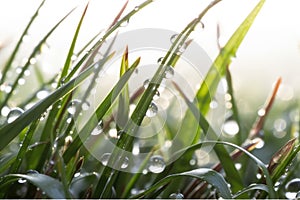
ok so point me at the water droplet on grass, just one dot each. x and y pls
(76, 174)
(42, 94)
(85, 105)
(213, 104)
(124, 23)
(146, 83)
(261, 112)
(105, 158)
(136, 8)
(156, 164)
(22, 181)
(156, 95)
(125, 163)
(32, 61)
(73, 106)
(98, 129)
(230, 128)
(152, 110)
(176, 196)
(279, 125)
(173, 38)
(169, 73)
(260, 143)
(14, 114)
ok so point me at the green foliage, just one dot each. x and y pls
(43, 152)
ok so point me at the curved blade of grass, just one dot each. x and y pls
(251, 188)
(100, 112)
(16, 49)
(205, 174)
(218, 69)
(81, 183)
(9, 131)
(232, 173)
(33, 54)
(52, 187)
(72, 47)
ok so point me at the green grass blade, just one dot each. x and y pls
(52, 187)
(9, 131)
(16, 49)
(251, 187)
(218, 69)
(33, 54)
(72, 47)
(21, 154)
(205, 174)
(100, 112)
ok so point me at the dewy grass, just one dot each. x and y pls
(48, 152)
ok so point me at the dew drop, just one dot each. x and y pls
(14, 114)
(230, 128)
(27, 72)
(21, 81)
(146, 83)
(156, 95)
(169, 73)
(292, 188)
(98, 129)
(173, 38)
(125, 23)
(238, 166)
(74, 57)
(193, 162)
(280, 125)
(113, 133)
(125, 163)
(105, 158)
(18, 70)
(22, 181)
(159, 61)
(136, 149)
(42, 94)
(261, 112)
(31, 171)
(176, 196)
(152, 110)
(5, 111)
(73, 106)
(260, 143)
(136, 8)
(32, 61)
(77, 174)
(213, 104)
(156, 164)
(85, 105)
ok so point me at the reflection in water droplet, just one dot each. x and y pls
(113, 133)
(42, 94)
(136, 149)
(156, 95)
(146, 83)
(73, 106)
(14, 114)
(22, 181)
(169, 73)
(176, 196)
(85, 105)
(231, 128)
(260, 143)
(5, 110)
(76, 174)
(98, 129)
(292, 188)
(125, 163)
(173, 38)
(159, 61)
(261, 112)
(156, 164)
(105, 158)
(152, 110)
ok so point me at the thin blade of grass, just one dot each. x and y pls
(251, 187)
(72, 47)
(16, 49)
(205, 174)
(218, 69)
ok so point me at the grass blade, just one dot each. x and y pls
(252, 187)
(218, 69)
(205, 174)
(52, 187)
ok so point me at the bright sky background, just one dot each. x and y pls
(271, 48)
